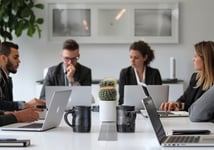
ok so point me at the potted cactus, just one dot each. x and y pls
(108, 99)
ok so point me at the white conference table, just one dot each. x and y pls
(63, 137)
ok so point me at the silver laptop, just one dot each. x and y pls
(53, 117)
(173, 140)
(160, 112)
(133, 94)
(164, 114)
(81, 95)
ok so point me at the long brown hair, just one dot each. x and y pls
(205, 77)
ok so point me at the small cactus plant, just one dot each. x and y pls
(108, 90)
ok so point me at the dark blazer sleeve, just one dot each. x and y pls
(8, 105)
(54, 77)
(7, 119)
(191, 94)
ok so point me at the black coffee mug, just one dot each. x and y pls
(81, 118)
(126, 116)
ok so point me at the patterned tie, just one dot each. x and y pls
(66, 80)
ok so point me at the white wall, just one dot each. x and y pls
(107, 59)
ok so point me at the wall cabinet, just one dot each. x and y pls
(114, 22)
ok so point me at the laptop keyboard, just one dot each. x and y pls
(183, 139)
(33, 125)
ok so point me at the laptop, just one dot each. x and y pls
(164, 114)
(133, 94)
(161, 112)
(173, 140)
(53, 117)
(81, 95)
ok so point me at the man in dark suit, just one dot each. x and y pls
(13, 111)
(68, 72)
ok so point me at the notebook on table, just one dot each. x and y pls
(133, 94)
(58, 103)
(81, 95)
(173, 140)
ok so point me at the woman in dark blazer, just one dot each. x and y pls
(139, 72)
(200, 81)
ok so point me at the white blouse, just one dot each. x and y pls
(137, 77)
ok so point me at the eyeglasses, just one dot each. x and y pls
(67, 59)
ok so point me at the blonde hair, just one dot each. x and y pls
(205, 77)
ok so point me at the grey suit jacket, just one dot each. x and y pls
(203, 108)
(56, 77)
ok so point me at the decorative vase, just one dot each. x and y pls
(107, 111)
(108, 96)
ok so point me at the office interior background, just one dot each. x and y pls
(196, 23)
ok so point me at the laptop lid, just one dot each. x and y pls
(154, 118)
(133, 94)
(53, 118)
(81, 95)
(161, 134)
(159, 94)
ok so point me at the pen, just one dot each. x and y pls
(8, 139)
(40, 106)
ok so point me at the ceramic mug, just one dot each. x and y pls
(81, 118)
(126, 116)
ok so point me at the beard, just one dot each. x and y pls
(10, 67)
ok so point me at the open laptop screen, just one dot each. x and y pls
(154, 118)
(133, 94)
(81, 95)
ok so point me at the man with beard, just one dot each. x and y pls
(9, 63)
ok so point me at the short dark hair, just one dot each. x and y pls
(71, 45)
(6, 47)
(144, 49)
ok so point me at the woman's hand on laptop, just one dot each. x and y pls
(26, 115)
(169, 106)
(34, 102)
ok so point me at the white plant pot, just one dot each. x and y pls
(107, 110)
